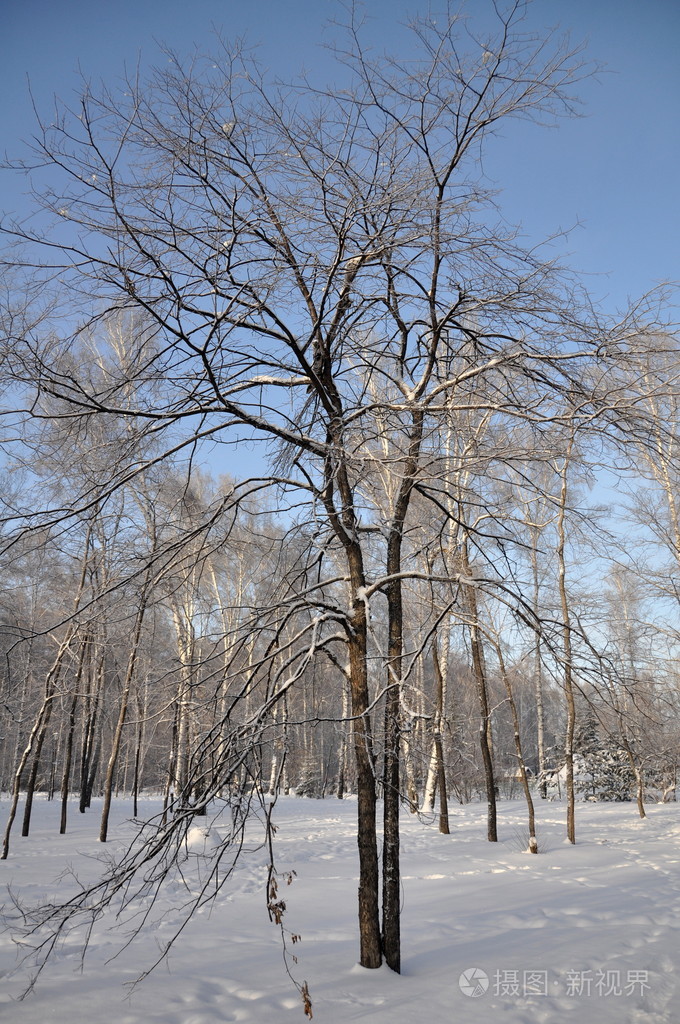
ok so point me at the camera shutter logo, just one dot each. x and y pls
(474, 982)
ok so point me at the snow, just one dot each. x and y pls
(531, 933)
(202, 841)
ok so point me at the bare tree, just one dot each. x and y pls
(321, 272)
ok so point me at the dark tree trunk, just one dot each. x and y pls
(91, 742)
(68, 761)
(33, 776)
(369, 916)
(391, 889)
(19, 773)
(139, 741)
(344, 522)
(391, 881)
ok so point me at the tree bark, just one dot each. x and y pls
(369, 916)
(567, 652)
(122, 715)
(533, 843)
(479, 672)
(538, 677)
(439, 718)
(68, 761)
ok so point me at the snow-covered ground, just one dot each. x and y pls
(589, 933)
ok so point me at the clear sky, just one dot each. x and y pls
(613, 172)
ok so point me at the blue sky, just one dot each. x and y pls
(613, 172)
